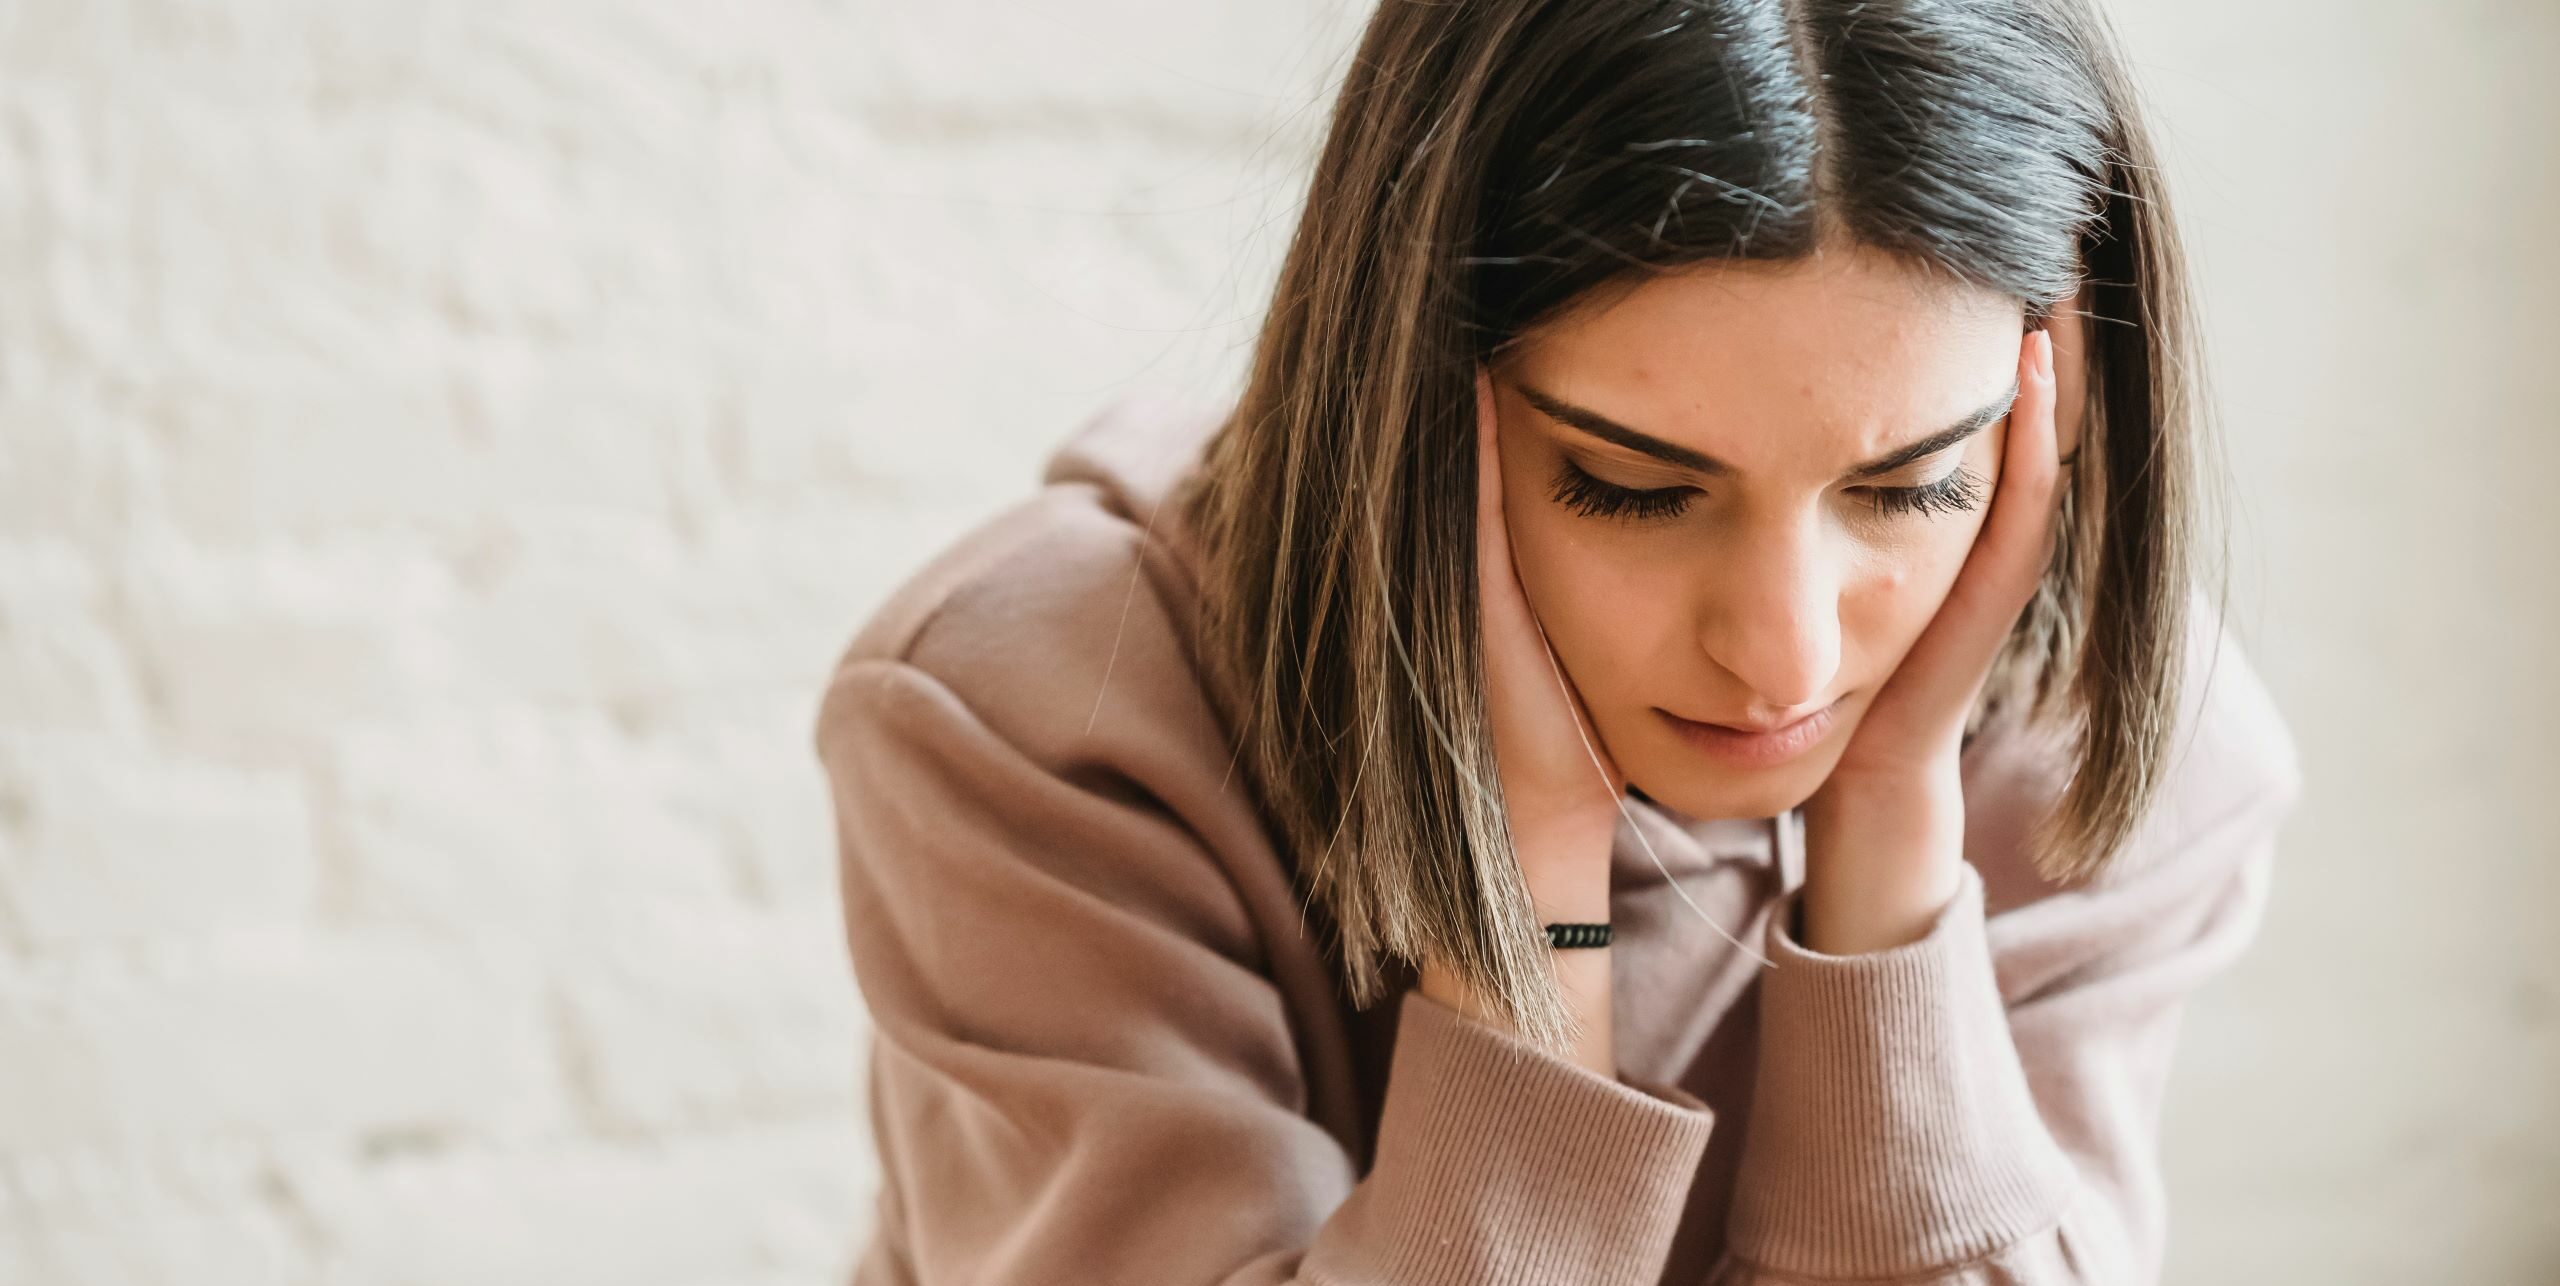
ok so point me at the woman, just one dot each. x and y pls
(1696, 604)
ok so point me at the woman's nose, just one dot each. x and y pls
(1775, 625)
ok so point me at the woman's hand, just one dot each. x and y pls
(1560, 788)
(1884, 834)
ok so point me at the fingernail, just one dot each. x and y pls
(2044, 354)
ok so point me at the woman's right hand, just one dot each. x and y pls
(1560, 788)
(1559, 785)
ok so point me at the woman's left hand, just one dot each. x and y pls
(1884, 834)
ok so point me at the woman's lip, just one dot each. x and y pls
(1754, 749)
(1754, 732)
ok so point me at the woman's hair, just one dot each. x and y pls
(1491, 163)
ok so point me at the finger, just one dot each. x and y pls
(1505, 605)
(2068, 333)
(1500, 584)
(2015, 546)
(2037, 456)
(2010, 554)
(1501, 607)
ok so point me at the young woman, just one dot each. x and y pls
(1674, 733)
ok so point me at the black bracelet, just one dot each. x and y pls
(1577, 935)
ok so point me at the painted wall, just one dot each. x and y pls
(443, 446)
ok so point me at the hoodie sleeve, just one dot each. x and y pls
(1081, 1071)
(1981, 1105)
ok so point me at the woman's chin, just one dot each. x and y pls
(1749, 797)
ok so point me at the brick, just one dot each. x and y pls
(754, 778)
(785, 1201)
(263, 651)
(144, 1247)
(601, 613)
(488, 431)
(286, 1035)
(61, 665)
(684, 1014)
(109, 841)
(1231, 66)
(518, 820)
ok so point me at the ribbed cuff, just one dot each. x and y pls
(1500, 1163)
(1891, 1131)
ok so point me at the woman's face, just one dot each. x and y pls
(1684, 481)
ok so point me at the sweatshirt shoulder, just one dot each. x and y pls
(2235, 750)
(2232, 773)
(1065, 615)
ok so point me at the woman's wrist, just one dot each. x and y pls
(1880, 866)
(1583, 976)
(1568, 876)
(1566, 869)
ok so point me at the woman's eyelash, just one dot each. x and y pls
(1577, 490)
(1957, 492)
(1592, 498)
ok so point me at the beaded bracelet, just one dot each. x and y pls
(1578, 935)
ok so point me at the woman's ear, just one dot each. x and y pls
(2070, 372)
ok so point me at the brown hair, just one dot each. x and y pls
(1491, 162)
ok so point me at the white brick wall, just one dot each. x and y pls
(443, 445)
(441, 448)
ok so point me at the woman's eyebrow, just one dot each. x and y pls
(1610, 431)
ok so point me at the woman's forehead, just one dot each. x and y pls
(1834, 360)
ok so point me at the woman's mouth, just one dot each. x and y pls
(1754, 749)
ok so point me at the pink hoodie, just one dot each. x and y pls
(1108, 1049)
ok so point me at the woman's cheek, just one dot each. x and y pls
(1592, 602)
(1905, 586)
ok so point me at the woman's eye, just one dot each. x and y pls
(1592, 498)
(1958, 492)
